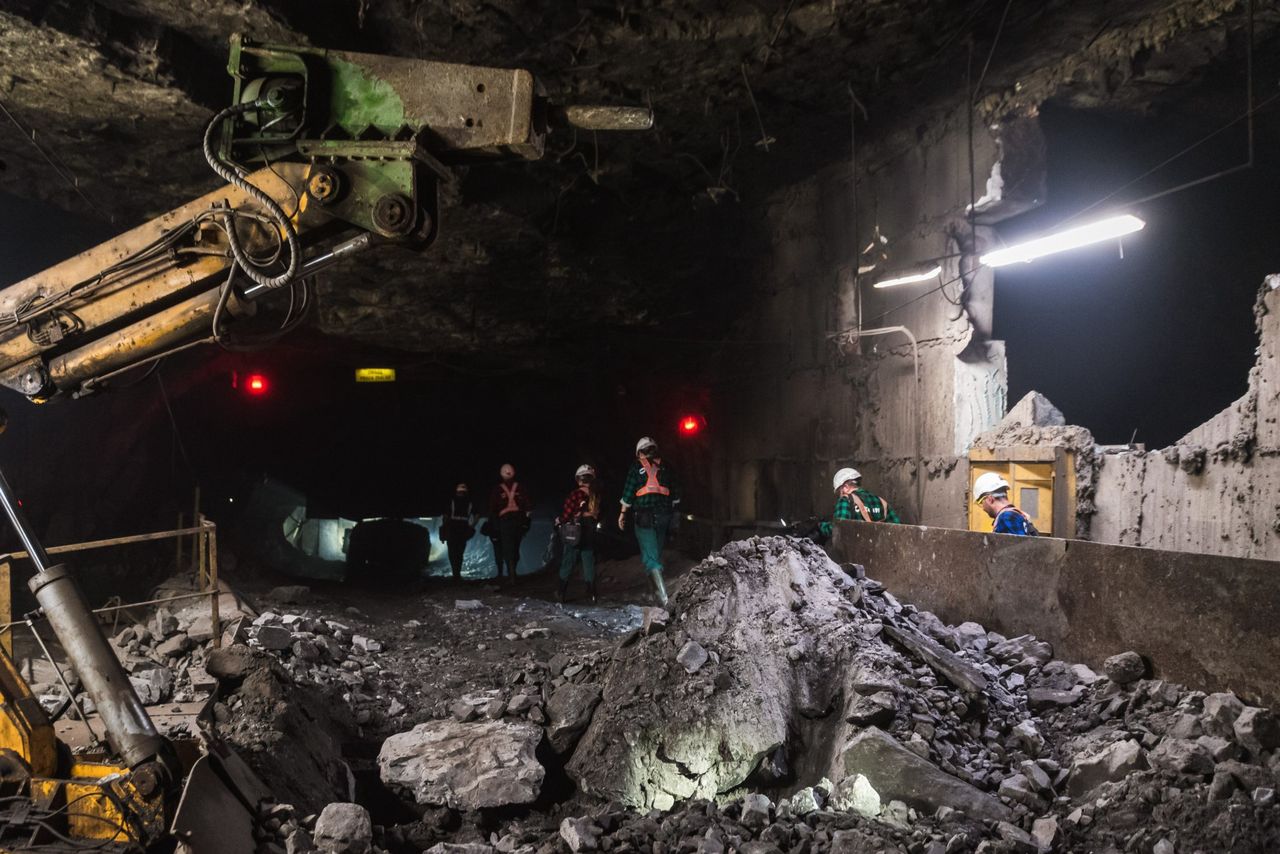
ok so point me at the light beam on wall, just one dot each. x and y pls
(909, 278)
(1072, 238)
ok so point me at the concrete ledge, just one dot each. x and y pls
(1207, 621)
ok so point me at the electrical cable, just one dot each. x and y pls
(973, 93)
(234, 176)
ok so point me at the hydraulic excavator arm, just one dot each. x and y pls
(325, 154)
(347, 151)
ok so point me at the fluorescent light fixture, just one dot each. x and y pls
(1072, 238)
(911, 277)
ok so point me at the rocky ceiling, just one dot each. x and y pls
(625, 237)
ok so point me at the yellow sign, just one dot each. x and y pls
(375, 375)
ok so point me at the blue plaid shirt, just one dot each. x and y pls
(1011, 520)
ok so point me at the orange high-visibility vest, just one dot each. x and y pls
(651, 485)
(510, 492)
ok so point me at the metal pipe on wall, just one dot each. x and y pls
(854, 335)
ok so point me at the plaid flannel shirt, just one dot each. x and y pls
(1011, 520)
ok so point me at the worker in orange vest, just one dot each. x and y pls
(510, 513)
(652, 492)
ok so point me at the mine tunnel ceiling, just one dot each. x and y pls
(619, 234)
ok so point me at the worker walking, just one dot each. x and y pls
(652, 492)
(458, 527)
(576, 526)
(991, 493)
(510, 512)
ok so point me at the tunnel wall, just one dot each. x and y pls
(800, 399)
(1091, 600)
(1217, 490)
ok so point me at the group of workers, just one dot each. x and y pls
(990, 492)
(650, 497)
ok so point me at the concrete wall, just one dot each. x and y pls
(1217, 490)
(799, 400)
(1205, 621)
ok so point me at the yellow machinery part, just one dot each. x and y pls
(24, 727)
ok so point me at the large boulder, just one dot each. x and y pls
(783, 645)
(465, 766)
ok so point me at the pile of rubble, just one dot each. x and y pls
(786, 705)
(781, 704)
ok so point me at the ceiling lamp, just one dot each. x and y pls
(1072, 238)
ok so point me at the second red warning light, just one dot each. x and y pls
(692, 424)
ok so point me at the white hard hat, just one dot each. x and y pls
(507, 471)
(584, 470)
(844, 476)
(646, 442)
(987, 483)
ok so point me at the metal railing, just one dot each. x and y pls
(205, 561)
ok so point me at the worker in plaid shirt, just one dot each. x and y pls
(853, 503)
(652, 492)
(582, 507)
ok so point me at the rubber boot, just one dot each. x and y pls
(591, 592)
(659, 587)
(563, 592)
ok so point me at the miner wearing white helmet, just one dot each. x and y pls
(652, 492)
(576, 526)
(510, 512)
(853, 503)
(991, 493)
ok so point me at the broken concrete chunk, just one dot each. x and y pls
(856, 794)
(970, 635)
(654, 620)
(874, 710)
(1220, 713)
(1028, 737)
(366, 644)
(344, 829)
(897, 773)
(1107, 765)
(956, 670)
(1023, 648)
(274, 638)
(1043, 699)
(1124, 668)
(804, 801)
(1257, 730)
(1044, 832)
(755, 810)
(174, 647)
(580, 834)
(692, 656)
(1182, 756)
(465, 766)
(535, 632)
(569, 712)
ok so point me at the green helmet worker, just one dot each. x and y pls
(991, 493)
(651, 490)
(853, 503)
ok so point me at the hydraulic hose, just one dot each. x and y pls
(233, 176)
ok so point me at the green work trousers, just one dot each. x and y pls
(652, 540)
(571, 555)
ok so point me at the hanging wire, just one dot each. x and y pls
(74, 182)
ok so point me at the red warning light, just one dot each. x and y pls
(691, 425)
(256, 384)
